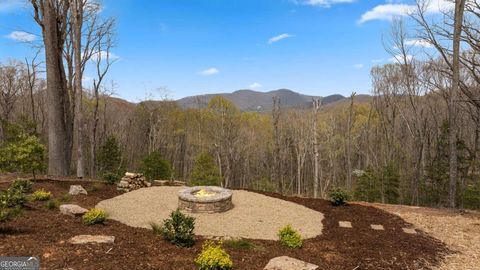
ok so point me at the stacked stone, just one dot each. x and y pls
(132, 181)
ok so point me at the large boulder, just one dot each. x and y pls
(72, 210)
(287, 263)
(76, 190)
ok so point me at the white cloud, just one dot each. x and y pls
(86, 79)
(8, 5)
(399, 58)
(209, 72)
(279, 37)
(418, 43)
(21, 36)
(390, 10)
(103, 56)
(358, 66)
(322, 3)
(379, 60)
(255, 85)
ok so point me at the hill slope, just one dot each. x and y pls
(249, 100)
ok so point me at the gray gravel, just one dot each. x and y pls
(253, 216)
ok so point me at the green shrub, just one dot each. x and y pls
(339, 196)
(157, 229)
(11, 203)
(12, 198)
(111, 178)
(23, 154)
(41, 195)
(290, 237)
(66, 198)
(24, 186)
(155, 167)
(205, 172)
(238, 244)
(9, 213)
(213, 257)
(178, 229)
(52, 204)
(94, 216)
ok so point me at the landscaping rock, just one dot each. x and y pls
(87, 239)
(132, 181)
(345, 224)
(76, 190)
(377, 227)
(287, 263)
(409, 231)
(72, 210)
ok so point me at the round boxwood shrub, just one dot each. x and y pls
(213, 257)
(94, 216)
(178, 229)
(289, 237)
(339, 197)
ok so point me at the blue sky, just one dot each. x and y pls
(317, 47)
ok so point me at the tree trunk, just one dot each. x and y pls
(452, 138)
(77, 18)
(57, 98)
(316, 106)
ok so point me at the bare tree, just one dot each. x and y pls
(452, 136)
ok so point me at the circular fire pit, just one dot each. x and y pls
(205, 199)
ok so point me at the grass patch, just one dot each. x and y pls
(239, 244)
(52, 204)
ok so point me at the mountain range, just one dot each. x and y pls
(250, 100)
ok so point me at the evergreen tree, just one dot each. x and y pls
(155, 167)
(205, 172)
(109, 156)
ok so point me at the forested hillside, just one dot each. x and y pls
(414, 141)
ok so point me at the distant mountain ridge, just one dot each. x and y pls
(250, 100)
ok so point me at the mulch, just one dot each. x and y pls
(44, 233)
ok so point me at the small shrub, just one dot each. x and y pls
(66, 198)
(238, 244)
(95, 187)
(24, 186)
(52, 204)
(25, 154)
(290, 237)
(339, 197)
(213, 257)
(12, 198)
(9, 213)
(178, 229)
(155, 167)
(110, 178)
(41, 195)
(94, 216)
(157, 229)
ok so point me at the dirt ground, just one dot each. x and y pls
(459, 230)
(44, 233)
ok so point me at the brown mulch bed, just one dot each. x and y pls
(44, 233)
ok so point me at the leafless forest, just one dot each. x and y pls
(415, 141)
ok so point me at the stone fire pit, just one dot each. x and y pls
(205, 199)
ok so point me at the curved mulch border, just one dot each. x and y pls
(44, 233)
